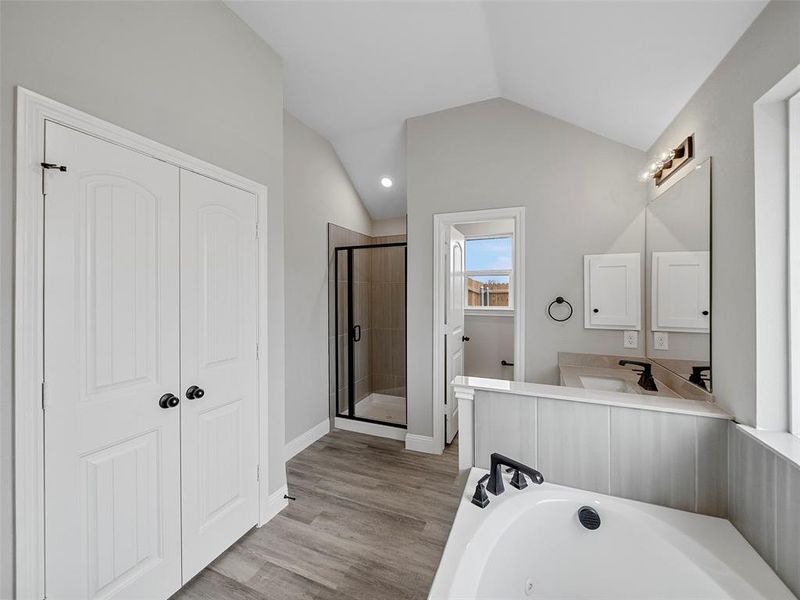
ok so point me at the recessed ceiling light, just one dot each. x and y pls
(386, 182)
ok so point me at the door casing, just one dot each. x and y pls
(33, 110)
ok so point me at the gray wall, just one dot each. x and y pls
(491, 340)
(189, 75)
(721, 116)
(581, 197)
(318, 191)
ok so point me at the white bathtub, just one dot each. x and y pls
(529, 544)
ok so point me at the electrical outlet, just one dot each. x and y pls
(630, 339)
(660, 340)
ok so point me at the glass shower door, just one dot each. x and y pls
(371, 333)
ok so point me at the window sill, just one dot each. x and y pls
(782, 443)
(489, 312)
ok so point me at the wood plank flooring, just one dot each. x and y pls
(369, 523)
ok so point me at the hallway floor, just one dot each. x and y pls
(370, 523)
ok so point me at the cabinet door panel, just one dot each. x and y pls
(612, 291)
(681, 291)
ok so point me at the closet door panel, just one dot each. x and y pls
(219, 328)
(112, 455)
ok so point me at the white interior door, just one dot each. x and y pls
(455, 327)
(219, 325)
(112, 455)
(681, 291)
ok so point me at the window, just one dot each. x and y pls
(489, 272)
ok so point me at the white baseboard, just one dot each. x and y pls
(421, 443)
(304, 440)
(384, 431)
(275, 504)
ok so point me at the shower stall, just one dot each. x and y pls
(370, 333)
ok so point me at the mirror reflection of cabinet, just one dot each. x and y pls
(612, 291)
(678, 276)
(681, 291)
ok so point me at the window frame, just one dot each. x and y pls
(488, 273)
(793, 284)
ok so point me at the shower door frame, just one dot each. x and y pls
(351, 392)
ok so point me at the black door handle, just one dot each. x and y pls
(357, 333)
(195, 393)
(464, 338)
(169, 401)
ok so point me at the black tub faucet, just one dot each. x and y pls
(495, 485)
(646, 380)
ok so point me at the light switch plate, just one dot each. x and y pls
(630, 339)
(660, 340)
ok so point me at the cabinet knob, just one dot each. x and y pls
(169, 401)
(195, 393)
(705, 313)
(595, 310)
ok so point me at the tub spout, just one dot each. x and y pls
(495, 484)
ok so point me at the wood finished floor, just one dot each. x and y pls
(370, 523)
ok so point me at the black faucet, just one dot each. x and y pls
(646, 378)
(495, 484)
(697, 376)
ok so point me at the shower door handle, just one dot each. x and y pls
(357, 333)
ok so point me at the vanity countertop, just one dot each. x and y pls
(697, 408)
(571, 377)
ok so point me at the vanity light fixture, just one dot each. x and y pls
(387, 182)
(670, 162)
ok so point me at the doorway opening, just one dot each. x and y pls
(479, 276)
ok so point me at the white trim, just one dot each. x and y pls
(441, 224)
(376, 429)
(304, 440)
(276, 502)
(466, 434)
(794, 268)
(422, 443)
(32, 112)
(489, 312)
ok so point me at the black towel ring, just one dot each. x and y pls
(559, 300)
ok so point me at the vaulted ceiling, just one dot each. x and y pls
(356, 70)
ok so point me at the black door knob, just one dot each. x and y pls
(705, 313)
(464, 338)
(595, 310)
(195, 393)
(169, 401)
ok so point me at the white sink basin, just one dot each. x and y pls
(607, 384)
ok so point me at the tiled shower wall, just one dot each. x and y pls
(388, 300)
(379, 307)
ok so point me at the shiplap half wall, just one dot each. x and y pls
(675, 460)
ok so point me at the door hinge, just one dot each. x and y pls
(44, 395)
(257, 351)
(258, 472)
(258, 231)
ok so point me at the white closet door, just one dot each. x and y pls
(219, 433)
(456, 294)
(112, 455)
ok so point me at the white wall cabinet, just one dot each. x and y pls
(681, 298)
(612, 291)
